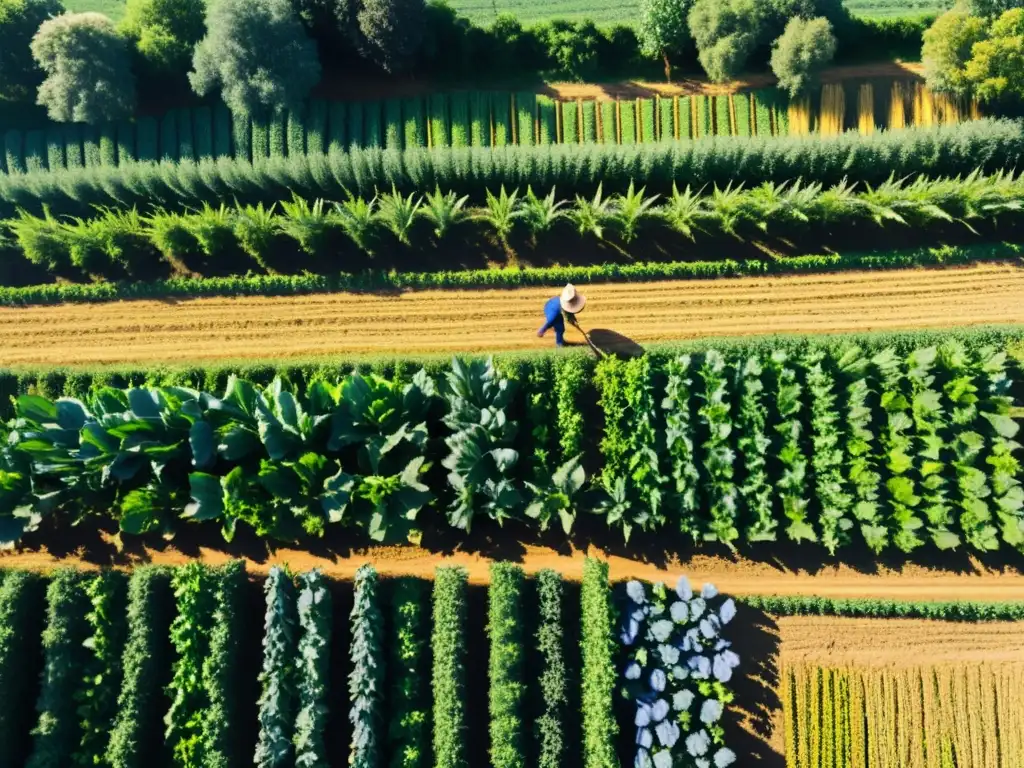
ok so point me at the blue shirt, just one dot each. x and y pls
(552, 312)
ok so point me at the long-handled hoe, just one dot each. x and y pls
(586, 336)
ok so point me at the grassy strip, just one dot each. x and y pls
(859, 607)
(294, 285)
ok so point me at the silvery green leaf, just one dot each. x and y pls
(661, 630)
(668, 733)
(697, 607)
(728, 611)
(663, 759)
(683, 588)
(644, 738)
(723, 672)
(680, 673)
(707, 629)
(682, 700)
(724, 757)
(697, 743)
(643, 715)
(709, 591)
(636, 592)
(680, 613)
(710, 711)
(633, 671)
(669, 654)
(642, 759)
(659, 710)
(658, 680)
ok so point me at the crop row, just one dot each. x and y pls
(109, 694)
(381, 280)
(473, 119)
(125, 243)
(945, 150)
(837, 445)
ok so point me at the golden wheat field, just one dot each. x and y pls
(494, 320)
(901, 693)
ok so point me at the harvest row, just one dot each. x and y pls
(321, 237)
(945, 150)
(159, 667)
(831, 442)
(478, 119)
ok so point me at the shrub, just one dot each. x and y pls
(507, 688)
(21, 620)
(235, 56)
(805, 48)
(108, 145)
(277, 678)
(260, 138)
(165, 32)
(666, 119)
(337, 122)
(415, 127)
(744, 122)
(448, 643)
(686, 117)
(723, 121)
(195, 594)
(408, 720)
(995, 64)
(277, 129)
(242, 135)
(646, 116)
(366, 680)
(526, 114)
(221, 669)
(609, 122)
(480, 119)
(135, 737)
(501, 108)
(91, 147)
(947, 49)
(88, 69)
(662, 30)
(393, 127)
(551, 725)
(598, 670)
(439, 130)
(97, 694)
(35, 151)
(316, 128)
(19, 21)
(312, 677)
(589, 126)
(14, 153)
(55, 149)
(57, 730)
(460, 134)
(726, 33)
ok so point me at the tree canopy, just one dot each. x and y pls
(947, 48)
(726, 32)
(805, 48)
(662, 30)
(165, 32)
(19, 22)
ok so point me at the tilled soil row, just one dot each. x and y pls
(499, 320)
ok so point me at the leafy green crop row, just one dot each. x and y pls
(292, 285)
(366, 680)
(124, 243)
(277, 678)
(554, 682)
(408, 726)
(597, 672)
(745, 449)
(946, 150)
(506, 670)
(448, 643)
(961, 610)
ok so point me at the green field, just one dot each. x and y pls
(112, 8)
(603, 12)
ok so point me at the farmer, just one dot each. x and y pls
(570, 302)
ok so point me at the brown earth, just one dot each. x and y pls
(618, 316)
(737, 576)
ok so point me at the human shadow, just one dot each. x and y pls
(749, 729)
(613, 343)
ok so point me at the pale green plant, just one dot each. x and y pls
(445, 210)
(399, 213)
(631, 210)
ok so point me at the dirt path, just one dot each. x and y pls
(486, 321)
(738, 577)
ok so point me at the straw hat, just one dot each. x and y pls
(572, 301)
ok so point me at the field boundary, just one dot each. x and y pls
(380, 281)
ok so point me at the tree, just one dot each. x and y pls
(947, 47)
(988, 9)
(572, 47)
(258, 53)
(726, 32)
(19, 21)
(88, 69)
(662, 30)
(165, 32)
(803, 50)
(392, 31)
(996, 66)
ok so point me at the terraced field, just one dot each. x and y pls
(482, 321)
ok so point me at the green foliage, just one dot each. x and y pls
(87, 67)
(221, 669)
(686, 117)
(448, 643)
(392, 31)
(716, 418)
(108, 144)
(277, 133)
(409, 709)
(506, 665)
(90, 147)
(589, 124)
(316, 128)
(947, 48)
(164, 32)
(372, 129)
(627, 122)
(97, 694)
(763, 113)
(598, 667)
(55, 149)
(570, 378)
(723, 122)
(805, 48)
(995, 63)
(547, 120)
(232, 57)
(680, 444)
(19, 22)
(704, 117)
(57, 731)
(438, 119)
(609, 122)
(480, 119)
(313, 672)
(550, 726)
(744, 123)
(135, 736)
(195, 594)
(14, 156)
(725, 32)
(366, 680)
(526, 114)
(21, 621)
(481, 459)
(202, 132)
(277, 677)
(35, 159)
(415, 123)
(666, 119)
(789, 447)
(965, 610)
(501, 110)
(662, 30)
(647, 124)
(393, 127)
(460, 136)
(337, 122)
(753, 444)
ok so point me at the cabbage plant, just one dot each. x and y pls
(676, 669)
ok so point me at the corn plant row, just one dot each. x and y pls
(462, 119)
(946, 150)
(118, 242)
(381, 280)
(925, 454)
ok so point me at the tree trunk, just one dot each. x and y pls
(668, 67)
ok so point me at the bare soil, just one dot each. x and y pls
(618, 316)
